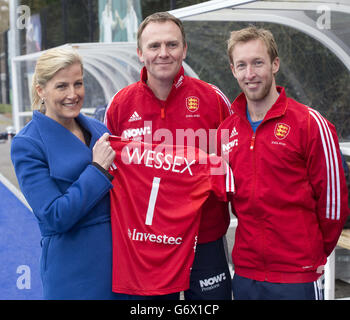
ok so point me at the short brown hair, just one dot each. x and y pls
(252, 33)
(160, 17)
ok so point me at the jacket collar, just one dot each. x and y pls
(278, 108)
(67, 156)
(178, 80)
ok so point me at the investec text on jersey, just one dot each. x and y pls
(145, 236)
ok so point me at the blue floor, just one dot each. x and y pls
(19, 250)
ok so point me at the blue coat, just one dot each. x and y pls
(70, 199)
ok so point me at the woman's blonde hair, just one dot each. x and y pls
(49, 63)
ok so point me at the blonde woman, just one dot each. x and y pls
(61, 160)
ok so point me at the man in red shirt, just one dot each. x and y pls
(166, 106)
(291, 198)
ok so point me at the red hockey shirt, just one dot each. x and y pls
(155, 212)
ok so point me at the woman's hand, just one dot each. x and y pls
(102, 152)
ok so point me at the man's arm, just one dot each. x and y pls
(327, 179)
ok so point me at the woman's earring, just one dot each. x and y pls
(42, 108)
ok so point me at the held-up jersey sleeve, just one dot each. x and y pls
(327, 179)
(221, 178)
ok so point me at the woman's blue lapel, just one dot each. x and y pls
(67, 156)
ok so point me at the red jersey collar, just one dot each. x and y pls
(178, 80)
(278, 108)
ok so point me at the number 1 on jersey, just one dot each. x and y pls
(152, 201)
